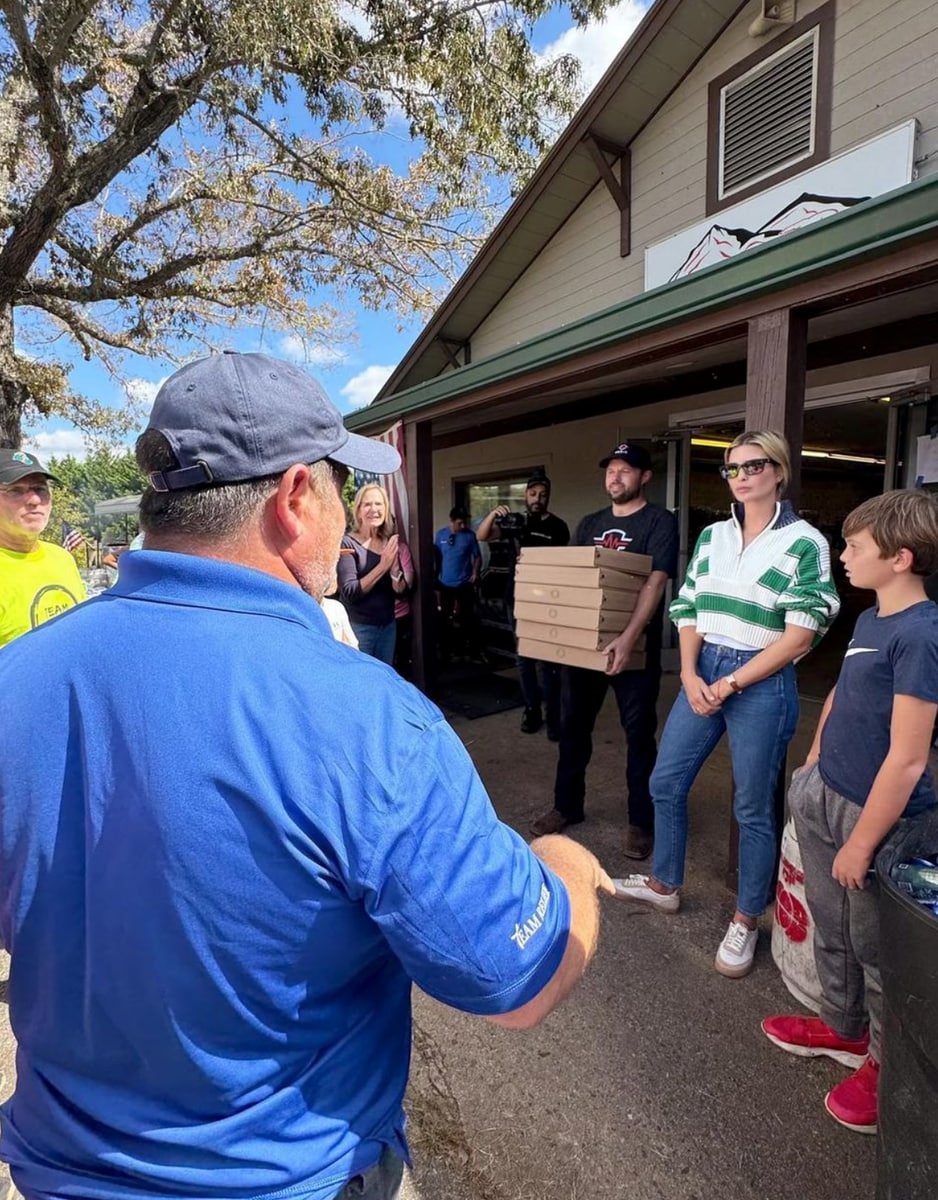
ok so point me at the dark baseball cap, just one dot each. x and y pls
(538, 476)
(635, 456)
(17, 464)
(234, 417)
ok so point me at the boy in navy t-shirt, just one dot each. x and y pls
(865, 789)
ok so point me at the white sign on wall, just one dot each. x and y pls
(871, 169)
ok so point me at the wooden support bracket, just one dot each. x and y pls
(600, 149)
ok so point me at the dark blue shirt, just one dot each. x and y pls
(456, 553)
(887, 657)
(227, 845)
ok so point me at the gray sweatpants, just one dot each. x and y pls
(846, 922)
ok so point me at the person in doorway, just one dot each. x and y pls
(758, 594)
(38, 580)
(633, 524)
(260, 840)
(536, 526)
(369, 572)
(458, 561)
(865, 790)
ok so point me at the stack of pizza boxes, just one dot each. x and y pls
(572, 601)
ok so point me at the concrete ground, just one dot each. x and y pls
(654, 1079)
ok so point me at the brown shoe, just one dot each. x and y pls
(638, 842)
(553, 821)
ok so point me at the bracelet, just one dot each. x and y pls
(731, 680)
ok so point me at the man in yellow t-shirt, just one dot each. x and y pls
(37, 579)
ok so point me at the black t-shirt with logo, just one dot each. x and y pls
(544, 529)
(651, 530)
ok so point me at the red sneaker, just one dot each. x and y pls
(853, 1101)
(810, 1037)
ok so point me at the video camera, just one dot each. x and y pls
(513, 522)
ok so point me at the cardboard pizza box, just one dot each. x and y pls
(614, 620)
(570, 656)
(611, 601)
(564, 635)
(587, 556)
(581, 577)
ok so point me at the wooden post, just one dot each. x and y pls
(419, 472)
(775, 380)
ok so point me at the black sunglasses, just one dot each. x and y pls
(755, 466)
(451, 540)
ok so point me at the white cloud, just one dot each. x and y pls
(598, 43)
(362, 388)
(142, 392)
(316, 354)
(57, 443)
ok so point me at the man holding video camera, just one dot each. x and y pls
(533, 527)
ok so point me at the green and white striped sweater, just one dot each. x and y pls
(748, 595)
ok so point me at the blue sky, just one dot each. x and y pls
(357, 364)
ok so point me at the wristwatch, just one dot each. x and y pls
(731, 680)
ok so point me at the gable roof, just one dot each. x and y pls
(669, 41)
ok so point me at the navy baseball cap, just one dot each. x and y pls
(17, 464)
(234, 417)
(635, 456)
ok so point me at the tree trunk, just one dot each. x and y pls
(13, 393)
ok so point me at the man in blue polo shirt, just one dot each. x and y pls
(457, 559)
(219, 874)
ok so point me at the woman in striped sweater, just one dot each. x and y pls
(757, 596)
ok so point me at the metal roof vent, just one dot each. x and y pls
(767, 116)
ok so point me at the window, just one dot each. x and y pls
(480, 497)
(770, 115)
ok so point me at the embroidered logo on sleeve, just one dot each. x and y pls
(523, 933)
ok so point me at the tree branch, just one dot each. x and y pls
(43, 80)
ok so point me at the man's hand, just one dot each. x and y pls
(501, 511)
(851, 865)
(554, 849)
(700, 696)
(619, 652)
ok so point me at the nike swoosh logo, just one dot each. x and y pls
(861, 650)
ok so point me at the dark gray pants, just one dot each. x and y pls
(380, 1182)
(846, 922)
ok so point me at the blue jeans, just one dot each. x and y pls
(759, 722)
(376, 640)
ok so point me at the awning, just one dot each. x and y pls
(117, 506)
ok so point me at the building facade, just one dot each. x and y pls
(738, 228)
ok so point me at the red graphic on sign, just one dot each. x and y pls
(790, 913)
(790, 873)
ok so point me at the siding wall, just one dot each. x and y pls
(885, 56)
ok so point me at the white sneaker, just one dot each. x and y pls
(635, 888)
(734, 958)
